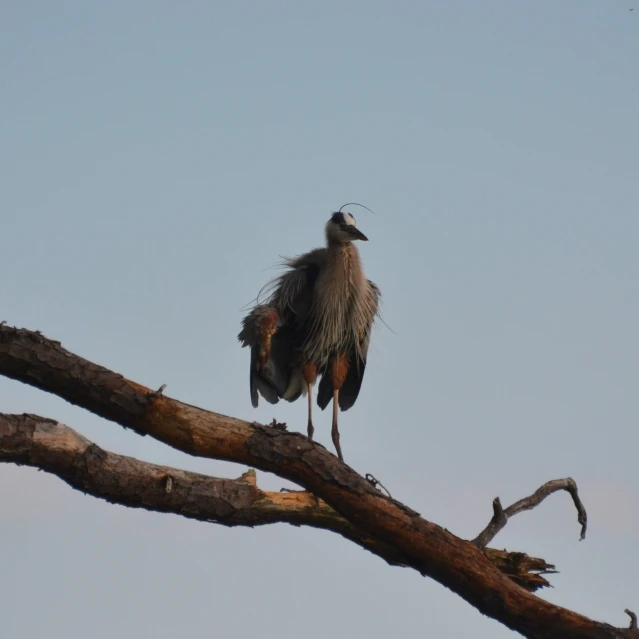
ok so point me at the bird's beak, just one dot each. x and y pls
(356, 234)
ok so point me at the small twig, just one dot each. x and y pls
(157, 393)
(499, 519)
(633, 619)
(501, 516)
(375, 483)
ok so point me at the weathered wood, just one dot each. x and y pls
(55, 448)
(435, 552)
(502, 515)
(523, 569)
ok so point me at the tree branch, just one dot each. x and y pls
(501, 516)
(433, 551)
(55, 448)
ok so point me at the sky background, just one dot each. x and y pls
(157, 159)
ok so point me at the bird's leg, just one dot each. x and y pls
(311, 430)
(309, 373)
(339, 370)
(334, 429)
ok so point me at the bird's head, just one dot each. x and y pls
(341, 229)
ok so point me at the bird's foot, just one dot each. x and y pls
(338, 448)
(277, 425)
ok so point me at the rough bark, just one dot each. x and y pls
(45, 444)
(457, 564)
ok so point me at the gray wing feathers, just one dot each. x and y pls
(290, 295)
(292, 292)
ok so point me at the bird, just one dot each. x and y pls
(315, 322)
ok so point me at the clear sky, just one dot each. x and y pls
(157, 159)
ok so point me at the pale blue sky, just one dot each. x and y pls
(157, 158)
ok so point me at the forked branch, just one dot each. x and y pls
(457, 564)
(501, 516)
(55, 448)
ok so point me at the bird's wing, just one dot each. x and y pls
(292, 292)
(273, 330)
(268, 355)
(357, 361)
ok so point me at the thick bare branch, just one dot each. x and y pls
(500, 516)
(453, 562)
(55, 448)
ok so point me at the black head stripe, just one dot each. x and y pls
(338, 218)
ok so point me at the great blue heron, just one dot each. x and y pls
(316, 321)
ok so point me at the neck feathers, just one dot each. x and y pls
(344, 267)
(339, 306)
